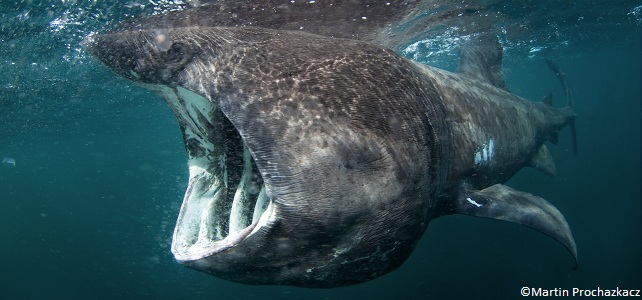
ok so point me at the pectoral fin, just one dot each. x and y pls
(504, 203)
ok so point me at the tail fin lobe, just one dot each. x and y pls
(569, 99)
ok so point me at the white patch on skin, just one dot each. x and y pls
(473, 202)
(485, 152)
(477, 157)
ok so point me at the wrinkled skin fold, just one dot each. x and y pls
(319, 162)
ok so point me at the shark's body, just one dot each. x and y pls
(317, 161)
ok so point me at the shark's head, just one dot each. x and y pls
(311, 159)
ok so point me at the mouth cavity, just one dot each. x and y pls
(226, 199)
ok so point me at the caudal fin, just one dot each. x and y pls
(569, 99)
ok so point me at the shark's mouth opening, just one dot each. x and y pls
(226, 199)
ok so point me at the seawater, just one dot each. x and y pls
(89, 208)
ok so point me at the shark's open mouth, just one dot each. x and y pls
(226, 199)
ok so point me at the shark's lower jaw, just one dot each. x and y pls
(226, 198)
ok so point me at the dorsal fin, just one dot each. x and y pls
(481, 58)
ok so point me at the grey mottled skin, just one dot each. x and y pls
(390, 23)
(357, 147)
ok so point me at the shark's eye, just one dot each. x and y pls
(177, 53)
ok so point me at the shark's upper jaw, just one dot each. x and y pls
(226, 199)
(226, 195)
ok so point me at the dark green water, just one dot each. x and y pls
(89, 208)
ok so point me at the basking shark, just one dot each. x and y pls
(318, 160)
